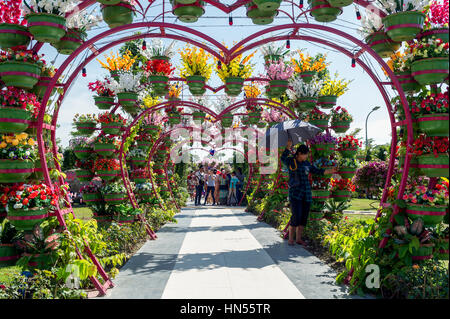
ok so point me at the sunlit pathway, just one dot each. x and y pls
(218, 252)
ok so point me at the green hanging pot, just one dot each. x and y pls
(403, 26)
(432, 166)
(341, 195)
(320, 194)
(127, 99)
(188, 13)
(437, 33)
(159, 84)
(86, 128)
(433, 124)
(233, 85)
(115, 198)
(347, 172)
(306, 103)
(323, 12)
(174, 118)
(15, 171)
(45, 27)
(13, 35)
(322, 124)
(26, 219)
(104, 102)
(260, 17)
(84, 175)
(104, 149)
(140, 180)
(139, 161)
(348, 153)
(198, 116)
(41, 86)
(227, 120)
(323, 150)
(340, 3)
(382, 44)
(20, 74)
(327, 101)
(92, 198)
(407, 82)
(73, 39)
(196, 84)
(425, 251)
(112, 128)
(340, 126)
(430, 71)
(13, 120)
(82, 152)
(108, 175)
(8, 255)
(278, 87)
(144, 145)
(267, 5)
(431, 215)
(117, 15)
(307, 76)
(254, 117)
(109, 2)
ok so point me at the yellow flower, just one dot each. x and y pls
(415, 266)
(31, 142)
(15, 142)
(3, 145)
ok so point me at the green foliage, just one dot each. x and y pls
(69, 159)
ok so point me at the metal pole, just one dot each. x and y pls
(367, 118)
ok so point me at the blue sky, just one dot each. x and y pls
(362, 96)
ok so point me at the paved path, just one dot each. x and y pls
(223, 253)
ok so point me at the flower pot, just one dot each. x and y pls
(327, 101)
(151, 129)
(307, 76)
(431, 215)
(112, 128)
(84, 175)
(114, 74)
(13, 120)
(92, 198)
(433, 124)
(26, 219)
(20, 74)
(41, 86)
(322, 11)
(323, 150)
(233, 85)
(430, 71)
(407, 82)
(15, 171)
(341, 195)
(254, 117)
(260, 17)
(438, 33)
(322, 124)
(198, 116)
(40, 261)
(413, 164)
(432, 166)
(73, 39)
(159, 84)
(109, 2)
(144, 145)
(424, 252)
(86, 128)
(108, 175)
(139, 180)
(115, 198)
(227, 120)
(139, 161)
(348, 153)
(174, 118)
(306, 103)
(8, 255)
(127, 99)
(403, 26)
(278, 87)
(117, 15)
(267, 5)
(382, 44)
(103, 149)
(45, 27)
(339, 3)
(145, 196)
(442, 252)
(320, 194)
(12, 35)
(82, 152)
(188, 13)
(347, 172)
(196, 84)
(340, 126)
(104, 102)
(326, 175)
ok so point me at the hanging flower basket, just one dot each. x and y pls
(327, 101)
(431, 215)
(322, 124)
(322, 11)
(144, 145)
(174, 118)
(258, 16)
(340, 126)
(278, 87)
(424, 252)
(26, 219)
(20, 74)
(15, 171)
(188, 13)
(73, 39)
(442, 252)
(254, 117)
(86, 128)
(150, 128)
(13, 35)
(92, 198)
(306, 103)
(139, 161)
(433, 124)
(84, 175)
(127, 99)
(432, 166)
(196, 84)
(14, 120)
(139, 180)
(109, 2)
(115, 198)
(267, 5)
(320, 194)
(82, 152)
(118, 14)
(114, 74)
(407, 81)
(233, 85)
(8, 255)
(340, 3)
(108, 175)
(348, 153)
(307, 76)
(45, 27)
(439, 33)
(198, 116)
(111, 128)
(324, 150)
(341, 195)
(430, 71)
(41, 86)
(227, 120)
(144, 196)
(403, 26)
(347, 172)
(104, 149)
(104, 102)
(159, 84)
(382, 44)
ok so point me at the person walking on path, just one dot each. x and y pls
(232, 192)
(300, 195)
(210, 182)
(200, 182)
(240, 184)
(223, 188)
(217, 186)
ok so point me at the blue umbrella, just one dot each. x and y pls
(295, 130)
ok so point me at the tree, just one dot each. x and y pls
(69, 159)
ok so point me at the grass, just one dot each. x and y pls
(359, 217)
(7, 272)
(363, 204)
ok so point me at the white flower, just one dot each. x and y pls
(156, 47)
(17, 206)
(128, 82)
(301, 89)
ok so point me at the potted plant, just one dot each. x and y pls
(20, 68)
(401, 66)
(234, 73)
(144, 192)
(340, 119)
(105, 97)
(111, 123)
(85, 124)
(174, 114)
(127, 88)
(304, 95)
(137, 157)
(347, 167)
(259, 16)
(322, 11)
(17, 156)
(436, 21)
(431, 153)
(39, 247)
(143, 142)
(318, 118)
(429, 64)
(140, 175)
(28, 204)
(85, 171)
(47, 73)
(174, 93)
(348, 146)
(13, 31)
(431, 113)
(319, 189)
(227, 120)
(308, 67)
(156, 50)
(106, 146)
(107, 168)
(341, 189)
(323, 145)
(158, 72)
(118, 14)
(187, 11)
(195, 69)
(91, 194)
(325, 163)
(372, 30)
(125, 213)
(17, 104)
(82, 147)
(278, 73)
(253, 112)
(8, 252)
(114, 193)
(118, 63)
(331, 90)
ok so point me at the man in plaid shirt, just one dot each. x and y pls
(299, 188)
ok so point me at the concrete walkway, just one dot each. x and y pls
(223, 253)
